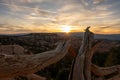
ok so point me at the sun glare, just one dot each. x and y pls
(66, 28)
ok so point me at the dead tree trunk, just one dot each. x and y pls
(82, 66)
(14, 65)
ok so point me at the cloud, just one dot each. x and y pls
(33, 13)
(52, 13)
(5, 25)
(98, 1)
(15, 7)
(8, 28)
(79, 12)
(78, 15)
(21, 1)
(65, 13)
(112, 25)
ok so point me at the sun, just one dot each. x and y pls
(66, 28)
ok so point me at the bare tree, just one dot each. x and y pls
(20, 65)
(82, 65)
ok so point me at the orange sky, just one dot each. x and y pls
(29, 16)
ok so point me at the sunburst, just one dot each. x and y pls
(66, 28)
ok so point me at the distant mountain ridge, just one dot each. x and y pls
(14, 34)
(108, 36)
(100, 36)
(73, 34)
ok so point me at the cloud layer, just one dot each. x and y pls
(40, 15)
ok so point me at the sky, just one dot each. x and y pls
(29, 16)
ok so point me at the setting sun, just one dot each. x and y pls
(66, 28)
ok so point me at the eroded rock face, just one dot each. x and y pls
(11, 49)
